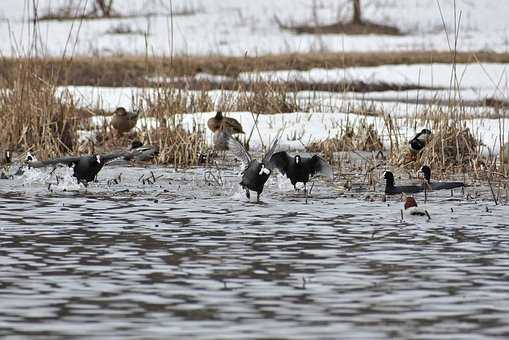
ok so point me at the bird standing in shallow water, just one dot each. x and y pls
(123, 121)
(255, 173)
(426, 173)
(392, 189)
(299, 169)
(420, 140)
(228, 125)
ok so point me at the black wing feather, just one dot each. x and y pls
(280, 160)
(318, 165)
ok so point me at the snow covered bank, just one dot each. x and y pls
(232, 27)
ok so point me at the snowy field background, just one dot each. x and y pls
(233, 27)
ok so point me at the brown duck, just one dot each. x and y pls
(226, 124)
(124, 121)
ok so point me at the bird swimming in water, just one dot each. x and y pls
(420, 140)
(392, 189)
(426, 173)
(254, 173)
(124, 121)
(140, 152)
(299, 169)
(411, 207)
(229, 125)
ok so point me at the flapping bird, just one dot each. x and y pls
(229, 125)
(87, 167)
(426, 173)
(124, 121)
(254, 173)
(420, 140)
(300, 169)
(392, 189)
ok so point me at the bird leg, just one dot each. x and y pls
(248, 195)
(258, 197)
(306, 192)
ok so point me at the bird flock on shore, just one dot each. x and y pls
(255, 173)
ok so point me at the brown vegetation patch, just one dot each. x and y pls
(32, 116)
(364, 27)
(364, 137)
(134, 71)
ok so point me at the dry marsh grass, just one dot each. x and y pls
(133, 71)
(34, 116)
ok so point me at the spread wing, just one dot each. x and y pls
(238, 151)
(318, 166)
(70, 160)
(281, 161)
(113, 156)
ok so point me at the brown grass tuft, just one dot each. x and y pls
(33, 116)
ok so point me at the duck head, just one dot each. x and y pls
(424, 135)
(410, 203)
(120, 111)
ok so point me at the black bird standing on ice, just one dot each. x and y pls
(426, 172)
(420, 140)
(392, 189)
(255, 173)
(299, 169)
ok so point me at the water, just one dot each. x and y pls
(183, 258)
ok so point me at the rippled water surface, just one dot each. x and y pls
(183, 258)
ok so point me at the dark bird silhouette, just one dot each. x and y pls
(229, 125)
(392, 189)
(123, 121)
(420, 140)
(7, 157)
(254, 173)
(300, 169)
(87, 167)
(426, 173)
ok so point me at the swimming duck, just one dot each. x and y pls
(254, 173)
(420, 140)
(140, 152)
(426, 173)
(391, 189)
(123, 121)
(411, 207)
(300, 169)
(229, 125)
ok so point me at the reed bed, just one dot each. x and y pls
(33, 116)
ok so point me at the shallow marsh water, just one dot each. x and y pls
(183, 258)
